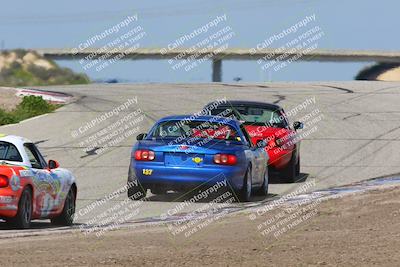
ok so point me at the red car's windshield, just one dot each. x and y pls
(256, 115)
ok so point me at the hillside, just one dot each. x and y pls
(27, 68)
(380, 72)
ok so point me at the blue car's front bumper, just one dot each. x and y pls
(156, 173)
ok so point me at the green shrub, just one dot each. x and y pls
(6, 118)
(39, 72)
(20, 52)
(30, 106)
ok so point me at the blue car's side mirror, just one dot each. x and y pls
(141, 136)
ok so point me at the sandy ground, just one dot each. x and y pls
(358, 230)
(8, 100)
(390, 75)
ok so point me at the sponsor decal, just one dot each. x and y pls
(26, 173)
(197, 160)
(6, 199)
(15, 183)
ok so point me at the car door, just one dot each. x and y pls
(258, 159)
(291, 133)
(46, 182)
(262, 163)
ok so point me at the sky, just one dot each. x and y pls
(356, 24)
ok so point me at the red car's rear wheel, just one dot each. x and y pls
(291, 171)
(24, 216)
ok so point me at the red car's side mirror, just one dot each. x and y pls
(53, 164)
(298, 125)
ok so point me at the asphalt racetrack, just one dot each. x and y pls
(352, 135)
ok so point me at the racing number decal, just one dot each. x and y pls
(147, 172)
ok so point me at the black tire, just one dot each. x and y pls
(136, 192)
(263, 191)
(298, 167)
(289, 173)
(158, 191)
(245, 193)
(24, 215)
(66, 218)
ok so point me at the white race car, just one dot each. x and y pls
(31, 188)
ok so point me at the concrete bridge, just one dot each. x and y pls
(217, 55)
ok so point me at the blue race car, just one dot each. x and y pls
(182, 152)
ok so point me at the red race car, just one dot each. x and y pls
(31, 188)
(267, 126)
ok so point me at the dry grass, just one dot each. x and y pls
(8, 99)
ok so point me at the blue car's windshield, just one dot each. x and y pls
(195, 129)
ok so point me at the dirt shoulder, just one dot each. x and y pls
(361, 230)
(8, 99)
